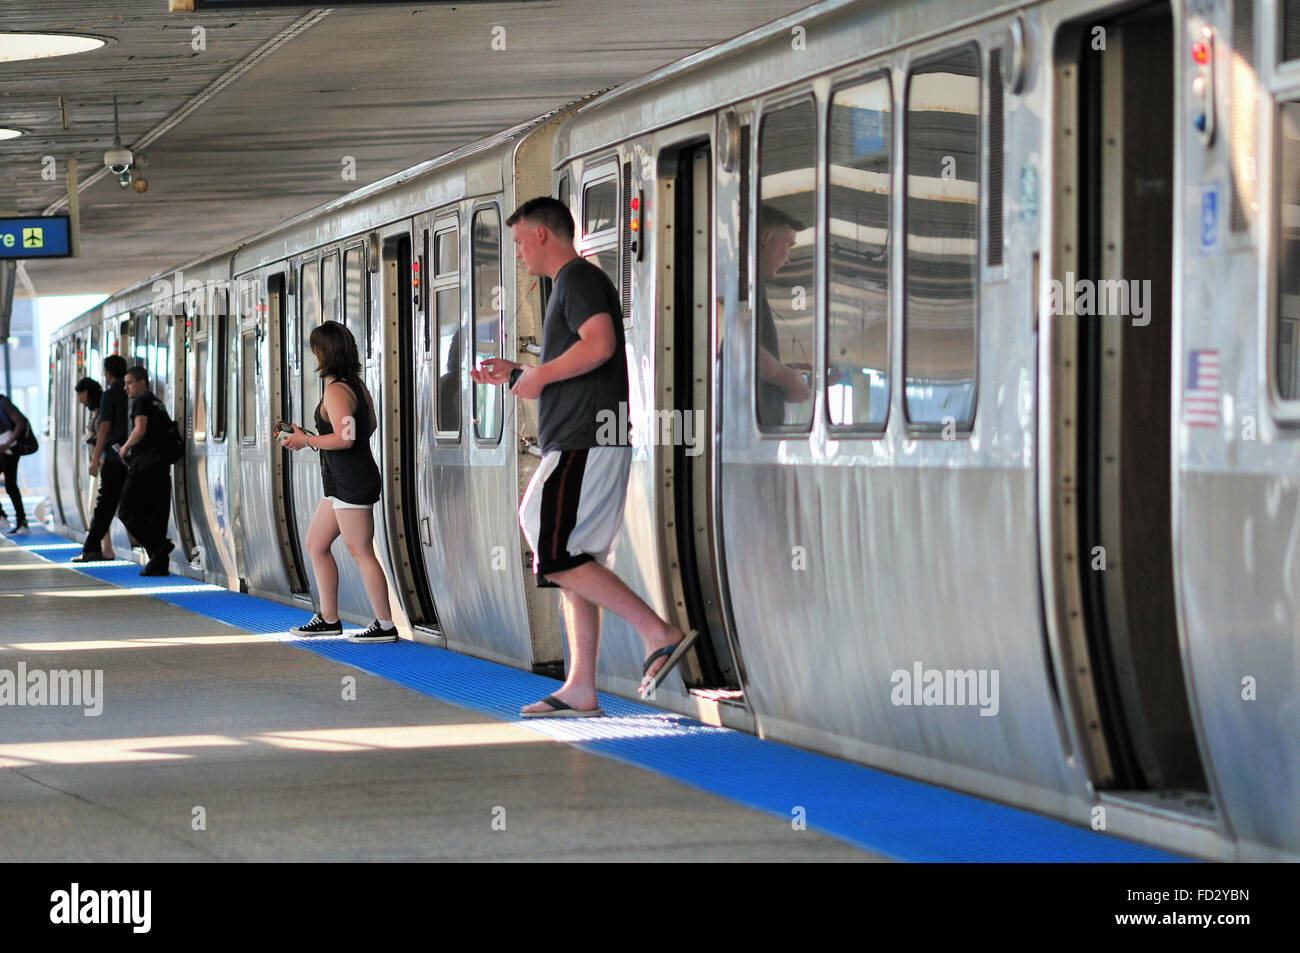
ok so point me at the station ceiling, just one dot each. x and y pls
(260, 115)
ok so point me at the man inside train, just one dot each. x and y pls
(777, 382)
(572, 511)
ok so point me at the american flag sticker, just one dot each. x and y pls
(1201, 389)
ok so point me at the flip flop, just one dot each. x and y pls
(560, 710)
(675, 654)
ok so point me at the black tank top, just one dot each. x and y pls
(350, 475)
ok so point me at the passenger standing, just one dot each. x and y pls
(110, 433)
(91, 396)
(147, 494)
(13, 428)
(573, 507)
(345, 419)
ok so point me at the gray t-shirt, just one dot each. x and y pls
(586, 411)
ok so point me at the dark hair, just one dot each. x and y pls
(115, 364)
(336, 350)
(771, 217)
(94, 393)
(139, 373)
(551, 213)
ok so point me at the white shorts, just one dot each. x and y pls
(572, 510)
(340, 505)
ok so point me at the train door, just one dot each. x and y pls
(283, 323)
(59, 467)
(179, 345)
(686, 417)
(1108, 420)
(402, 301)
(82, 483)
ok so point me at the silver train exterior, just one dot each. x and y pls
(1028, 527)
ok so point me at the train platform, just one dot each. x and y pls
(217, 735)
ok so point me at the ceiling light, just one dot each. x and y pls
(9, 134)
(35, 46)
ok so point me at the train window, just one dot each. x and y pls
(599, 207)
(309, 318)
(786, 294)
(857, 333)
(220, 348)
(309, 295)
(941, 258)
(562, 193)
(1287, 345)
(248, 391)
(489, 317)
(354, 297)
(200, 388)
(158, 374)
(1290, 32)
(329, 288)
(445, 295)
(742, 162)
(446, 253)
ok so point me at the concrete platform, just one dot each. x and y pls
(258, 734)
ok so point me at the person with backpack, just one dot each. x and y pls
(16, 440)
(148, 453)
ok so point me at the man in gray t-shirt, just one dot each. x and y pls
(572, 511)
(570, 412)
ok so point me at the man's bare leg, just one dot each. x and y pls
(599, 585)
(582, 632)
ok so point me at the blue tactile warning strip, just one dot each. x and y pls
(892, 816)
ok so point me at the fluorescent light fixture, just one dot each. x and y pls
(36, 46)
(9, 134)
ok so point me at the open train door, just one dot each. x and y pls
(1107, 427)
(687, 464)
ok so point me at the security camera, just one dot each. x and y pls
(118, 159)
(124, 179)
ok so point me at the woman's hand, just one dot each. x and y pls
(294, 441)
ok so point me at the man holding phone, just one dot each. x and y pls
(573, 508)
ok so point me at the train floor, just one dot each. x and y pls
(215, 736)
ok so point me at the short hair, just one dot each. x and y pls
(336, 349)
(115, 364)
(551, 213)
(94, 393)
(770, 217)
(139, 373)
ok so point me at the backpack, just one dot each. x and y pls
(167, 436)
(26, 444)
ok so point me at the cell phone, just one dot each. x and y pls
(515, 374)
(283, 427)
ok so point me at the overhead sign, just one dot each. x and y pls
(199, 6)
(45, 237)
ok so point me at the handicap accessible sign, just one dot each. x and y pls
(45, 237)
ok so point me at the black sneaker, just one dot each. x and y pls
(95, 557)
(318, 626)
(375, 633)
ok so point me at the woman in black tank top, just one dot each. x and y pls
(345, 419)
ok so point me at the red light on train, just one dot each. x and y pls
(636, 204)
(1200, 53)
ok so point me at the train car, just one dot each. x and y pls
(160, 324)
(983, 313)
(964, 395)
